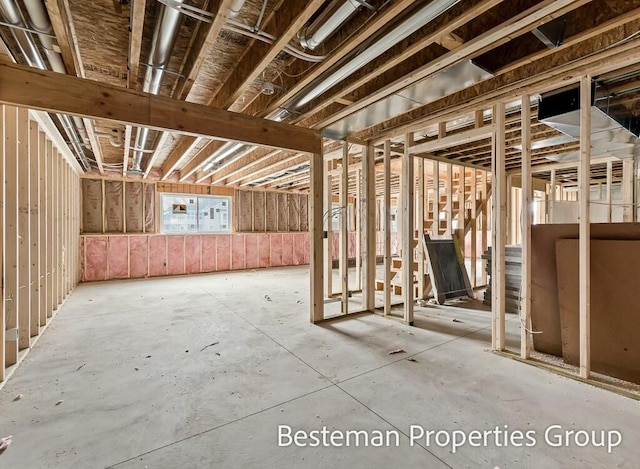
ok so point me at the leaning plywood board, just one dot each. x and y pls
(545, 313)
(615, 306)
(446, 269)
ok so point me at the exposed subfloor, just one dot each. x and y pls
(199, 372)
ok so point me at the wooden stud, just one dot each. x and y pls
(609, 188)
(368, 208)
(42, 231)
(436, 200)
(554, 190)
(34, 226)
(483, 211)
(24, 261)
(584, 179)
(315, 234)
(420, 227)
(408, 184)
(49, 228)
(3, 158)
(527, 197)
(328, 240)
(627, 190)
(344, 228)
(10, 247)
(358, 218)
(387, 227)
(499, 217)
(449, 192)
(474, 227)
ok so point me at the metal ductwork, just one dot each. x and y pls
(407, 27)
(39, 21)
(328, 22)
(610, 134)
(164, 38)
(236, 7)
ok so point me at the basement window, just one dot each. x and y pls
(187, 213)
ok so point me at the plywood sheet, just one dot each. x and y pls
(271, 211)
(287, 249)
(223, 252)
(96, 258)
(157, 256)
(134, 207)
(209, 253)
(175, 255)
(615, 306)
(259, 222)
(118, 257)
(237, 252)
(545, 312)
(192, 251)
(283, 211)
(251, 251)
(276, 250)
(91, 206)
(113, 197)
(138, 255)
(264, 250)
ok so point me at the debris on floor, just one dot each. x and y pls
(18, 397)
(422, 303)
(266, 297)
(78, 369)
(411, 359)
(59, 402)
(210, 345)
(4, 443)
(399, 350)
(457, 320)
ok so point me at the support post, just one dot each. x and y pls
(420, 227)
(344, 228)
(407, 229)
(328, 240)
(316, 302)
(387, 227)
(499, 218)
(527, 193)
(368, 207)
(584, 268)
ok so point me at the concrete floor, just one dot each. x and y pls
(142, 386)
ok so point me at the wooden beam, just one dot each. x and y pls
(451, 140)
(177, 154)
(499, 216)
(408, 185)
(584, 188)
(387, 227)
(368, 207)
(315, 244)
(48, 91)
(58, 11)
(136, 26)
(527, 198)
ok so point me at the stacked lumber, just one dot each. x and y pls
(513, 278)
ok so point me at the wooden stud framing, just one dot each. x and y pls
(344, 228)
(449, 192)
(328, 240)
(315, 244)
(10, 246)
(527, 197)
(420, 227)
(368, 207)
(34, 227)
(627, 190)
(474, 226)
(483, 235)
(499, 217)
(358, 218)
(23, 264)
(436, 199)
(3, 200)
(408, 184)
(609, 188)
(584, 179)
(387, 227)
(49, 159)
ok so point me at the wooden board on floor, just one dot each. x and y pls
(545, 312)
(615, 306)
